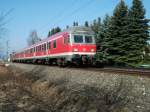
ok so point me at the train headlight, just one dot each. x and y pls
(92, 50)
(75, 49)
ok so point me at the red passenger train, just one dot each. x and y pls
(73, 45)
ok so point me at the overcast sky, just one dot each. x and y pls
(42, 15)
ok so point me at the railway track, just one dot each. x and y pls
(129, 71)
(125, 71)
(119, 71)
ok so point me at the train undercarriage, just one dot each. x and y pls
(77, 60)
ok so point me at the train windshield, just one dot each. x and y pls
(83, 39)
(88, 39)
(78, 38)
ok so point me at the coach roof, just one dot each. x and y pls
(72, 30)
(79, 29)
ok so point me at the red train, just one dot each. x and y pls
(73, 45)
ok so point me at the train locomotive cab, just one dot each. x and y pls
(83, 45)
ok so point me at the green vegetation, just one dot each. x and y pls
(122, 38)
(86, 24)
(54, 31)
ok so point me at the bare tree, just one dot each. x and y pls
(33, 38)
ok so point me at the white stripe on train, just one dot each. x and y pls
(60, 54)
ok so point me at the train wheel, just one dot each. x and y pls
(61, 62)
(50, 62)
(64, 63)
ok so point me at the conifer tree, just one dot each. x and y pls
(86, 24)
(49, 34)
(117, 35)
(103, 32)
(67, 26)
(57, 29)
(74, 23)
(138, 29)
(54, 31)
(96, 25)
(102, 43)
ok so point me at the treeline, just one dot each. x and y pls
(58, 29)
(122, 39)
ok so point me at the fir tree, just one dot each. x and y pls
(67, 26)
(103, 32)
(57, 29)
(117, 35)
(54, 31)
(96, 25)
(138, 29)
(86, 24)
(49, 34)
(102, 43)
(74, 23)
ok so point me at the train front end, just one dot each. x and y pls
(83, 46)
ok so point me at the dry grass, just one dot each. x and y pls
(29, 92)
(16, 94)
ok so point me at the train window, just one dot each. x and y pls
(88, 39)
(65, 40)
(30, 50)
(44, 47)
(54, 44)
(36, 48)
(40, 48)
(33, 50)
(48, 45)
(68, 39)
(78, 38)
